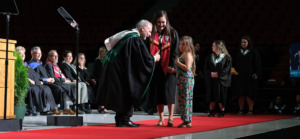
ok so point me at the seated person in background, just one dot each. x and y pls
(55, 72)
(85, 76)
(62, 92)
(70, 72)
(277, 106)
(297, 107)
(39, 96)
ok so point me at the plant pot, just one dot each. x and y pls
(20, 111)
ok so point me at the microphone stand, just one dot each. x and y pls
(69, 120)
(10, 124)
(77, 66)
(6, 64)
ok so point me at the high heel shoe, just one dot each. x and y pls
(250, 112)
(170, 123)
(160, 123)
(103, 110)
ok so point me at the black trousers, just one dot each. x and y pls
(123, 116)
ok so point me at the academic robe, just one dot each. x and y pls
(58, 88)
(125, 77)
(163, 86)
(39, 95)
(97, 70)
(49, 70)
(246, 65)
(216, 88)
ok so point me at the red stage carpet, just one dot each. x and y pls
(147, 129)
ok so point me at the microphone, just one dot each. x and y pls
(68, 17)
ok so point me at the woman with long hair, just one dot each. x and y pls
(185, 80)
(96, 74)
(164, 39)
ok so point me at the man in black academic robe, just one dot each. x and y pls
(126, 73)
(40, 95)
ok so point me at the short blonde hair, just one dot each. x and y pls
(20, 49)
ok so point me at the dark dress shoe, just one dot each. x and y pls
(85, 110)
(135, 123)
(127, 124)
(34, 113)
(28, 112)
(46, 113)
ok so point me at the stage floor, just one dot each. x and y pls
(40, 122)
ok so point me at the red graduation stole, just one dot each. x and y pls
(57, 71)
(164, 48)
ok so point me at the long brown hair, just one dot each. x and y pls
(169, 29)
(75, 60)
(188, 42)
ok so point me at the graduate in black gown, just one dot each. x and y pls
(96, 74)
(43, 98)
(126, 73)
(164, 38)
(62, 92)
(247, 64)
(217, 73)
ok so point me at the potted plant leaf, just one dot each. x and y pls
(21, 87)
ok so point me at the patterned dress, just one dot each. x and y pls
(185, 86)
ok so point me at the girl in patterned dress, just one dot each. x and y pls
(185, 80)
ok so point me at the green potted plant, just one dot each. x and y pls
(21, 86)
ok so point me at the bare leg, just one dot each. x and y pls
(241, 102)
(250, 103)
(160, 110)
(222, 108)
(171, 111)
(212, 106)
